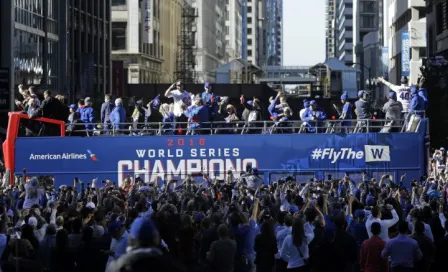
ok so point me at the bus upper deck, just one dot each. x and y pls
(276, 151)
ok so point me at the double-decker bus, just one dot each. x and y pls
(301, 155)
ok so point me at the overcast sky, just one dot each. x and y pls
(304, 32)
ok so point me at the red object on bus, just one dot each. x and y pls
(12, 133)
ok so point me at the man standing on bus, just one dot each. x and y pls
(106, 109)
(181, 99)
(403, 91)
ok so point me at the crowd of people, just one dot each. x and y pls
(239, 224)
(207, 113)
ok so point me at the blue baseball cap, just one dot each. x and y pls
(413, 90)
(250, 102)
(142, 229)
(344, 96)
(360, 93)
(360, 214)
(115, 226)
(207, 85)
(72, 106)
(313, 102)
(392, 94)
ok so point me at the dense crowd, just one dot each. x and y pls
(207, 113)
(237, 224)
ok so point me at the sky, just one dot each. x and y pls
(304, 32)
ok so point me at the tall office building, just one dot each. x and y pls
(210, 38)
(437, 28)
(271, 31)
(60, 45)
(330, 28)
(234, 28)
(365, 20)
(142, 61)
(88, 48)
(251, 39)
(407, 16)
(344, 31)
(30, 43)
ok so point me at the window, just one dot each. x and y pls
(349, 40)
(249, 53)
(249, 42)
(349, 17)
(367, 21)
(249, 20)
(118, 2)
(119, 35)
(227, 30)
(249, 9)
(249, 31)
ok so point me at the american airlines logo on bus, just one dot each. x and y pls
(371, 153)
(61, 156)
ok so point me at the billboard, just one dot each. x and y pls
(151, 157)
(147, 21)
(405, 54)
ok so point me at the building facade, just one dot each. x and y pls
(252, 14)
(271, 28)
(63, 46)
(437, 28)
(210, 38)
(344, 31)
(88, 48)
(142, 62)
(170, 28)
(407, 16)
(30, 46)
(234, 28)
(365, 20)
(330, 28)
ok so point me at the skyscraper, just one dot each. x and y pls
(210, 38)
(330, 28)
(63, 46)
(142, 60)
(344, 31)
(234, 28)
(272, 31)
(365, 20)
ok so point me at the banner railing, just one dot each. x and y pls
(241, 127)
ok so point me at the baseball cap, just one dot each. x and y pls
(32, 221)
(115, 226)
(87, 100)
(90, 205)
(392, 94)
(313, 102)
(72, 106)
(142, 229)
(360, 214)
(250, 102)
(360, 93)
(207, 85)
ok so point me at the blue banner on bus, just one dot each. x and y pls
(151, 157)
